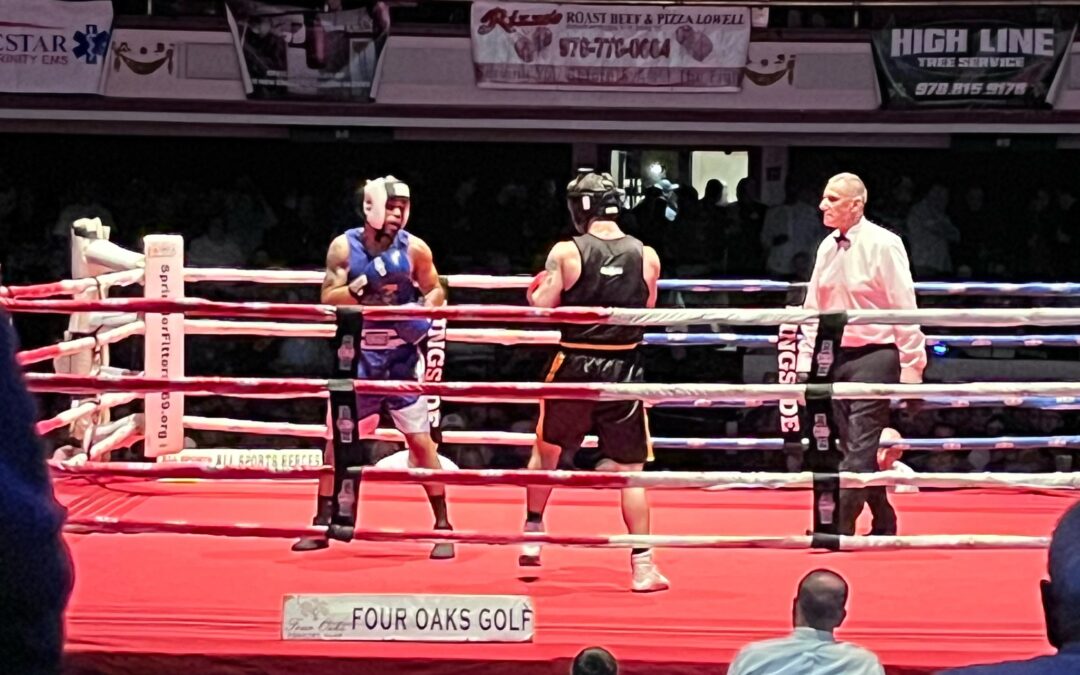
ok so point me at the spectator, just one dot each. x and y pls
(791, 229)
(811, 649)
(1061, 605)
(594, 661)
(35, 568)
(930, 232)
(215, 248)
(743, 228)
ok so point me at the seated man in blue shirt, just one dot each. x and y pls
(1061, 603)
(811, 649)
(35, 570)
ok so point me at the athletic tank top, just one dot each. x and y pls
(359, 258)
(611, 276)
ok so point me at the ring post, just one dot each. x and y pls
(345, 442)
(434, 362)
(164, 351)
(823, 456)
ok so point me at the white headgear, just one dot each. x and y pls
(377, 193)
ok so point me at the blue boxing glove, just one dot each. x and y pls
(413, 330)
(391, 268)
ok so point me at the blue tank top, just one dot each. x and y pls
(359, 258)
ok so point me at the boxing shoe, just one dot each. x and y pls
(647, 577)
(324, 511)
(530, 553)
(311, 544)
(443, 550)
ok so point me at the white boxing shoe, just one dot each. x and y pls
(647, 577)
(530, 553)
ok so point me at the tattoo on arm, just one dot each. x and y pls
(552, 264)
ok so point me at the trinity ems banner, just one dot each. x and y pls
(47, 46)
(295, 52)
(970, 62)
(626, 47)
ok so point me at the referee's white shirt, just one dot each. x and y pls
(868, 271)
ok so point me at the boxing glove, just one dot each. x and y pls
(389, 268)
(537, 282)
(412, 330)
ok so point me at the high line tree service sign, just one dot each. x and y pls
(970, 62)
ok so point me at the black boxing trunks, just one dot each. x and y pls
(621, 426)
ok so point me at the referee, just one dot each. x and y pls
(863, 266)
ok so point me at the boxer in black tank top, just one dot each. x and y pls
(601, 267)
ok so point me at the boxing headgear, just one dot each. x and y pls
(377, 193)
(592, 196)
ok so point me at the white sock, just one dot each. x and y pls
(531, 526)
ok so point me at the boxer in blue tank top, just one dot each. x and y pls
(381, 264)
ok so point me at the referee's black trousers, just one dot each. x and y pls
(859, 425)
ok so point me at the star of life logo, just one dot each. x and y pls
(90, 44)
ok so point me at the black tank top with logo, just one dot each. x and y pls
(611, 276)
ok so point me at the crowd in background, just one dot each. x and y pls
(953, 230)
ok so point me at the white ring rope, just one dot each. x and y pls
(517, 439)
(490, 282)
(123, 436)
(509, 337)
(1054, 316)
(76, 286)
(82, 344)
(688, 394)
(111, 525)
(110, 400)
(721, 480)
(255, 427)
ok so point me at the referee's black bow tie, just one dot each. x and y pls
(842, 241)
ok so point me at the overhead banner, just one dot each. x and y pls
(296, 52)
(409, 618)
(609, 47)
(53, 47)
(172, 64)
(970, 62)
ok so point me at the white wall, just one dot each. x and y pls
(729, 167)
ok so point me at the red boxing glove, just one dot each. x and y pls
(539, 279)
(886, 457)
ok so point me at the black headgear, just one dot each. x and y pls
(592, 196)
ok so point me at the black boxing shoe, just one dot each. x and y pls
(311, 544)
(322, 518)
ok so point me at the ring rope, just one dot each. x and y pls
(702, 480)
(712, 480)
(74, 286)
(1053, 316)
(507, 337)
(108, 400)
(107, 337)
(490, 282)
(690, 393)
(125, 435)
(255, 427)
(107, 525)
(509, 438)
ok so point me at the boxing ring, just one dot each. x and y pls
(199, 584)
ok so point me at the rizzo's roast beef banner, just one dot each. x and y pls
(1005, 62)
(627, 47)
(296, 52)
